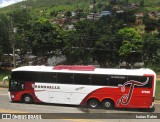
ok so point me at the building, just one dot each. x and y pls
(105, 13)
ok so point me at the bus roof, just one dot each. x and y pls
(139, 72)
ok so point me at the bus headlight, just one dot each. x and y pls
(12, 96)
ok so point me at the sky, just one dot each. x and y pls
(4, 3)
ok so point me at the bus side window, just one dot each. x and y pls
(65, 78)
(144, 79)
(13, 85)
(48, 77)
(16, 85)
(83, 79)
(100, 80)
(115, 80)
(135, 78)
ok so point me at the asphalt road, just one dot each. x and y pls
(21, 108)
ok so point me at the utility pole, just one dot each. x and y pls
(13, 31)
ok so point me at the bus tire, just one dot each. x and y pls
(107, 104)
(93, 103)
(27, 99)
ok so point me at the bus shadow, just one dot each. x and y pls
(100, 109)
(85, 109)
(119, 110)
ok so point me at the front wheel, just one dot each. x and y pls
(107, 104)
(27, 99)
(93, 103)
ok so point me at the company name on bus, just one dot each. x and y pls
(46, 87)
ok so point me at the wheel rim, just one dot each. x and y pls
(93, 104)
(27, 99)
(107, 104)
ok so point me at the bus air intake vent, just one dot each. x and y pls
(74, 67)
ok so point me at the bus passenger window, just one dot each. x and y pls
(100, 80)
(83, 79)
(115, 80)
(136, 78)
(48, 77)
(143, 79)
(65, 78)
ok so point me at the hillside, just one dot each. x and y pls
(48, 4)
(67, 5)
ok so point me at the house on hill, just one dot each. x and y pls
(105, 13)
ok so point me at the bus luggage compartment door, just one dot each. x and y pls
(69, 98)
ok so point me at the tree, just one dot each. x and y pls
(45, 38)
(158, 27)
(68, 14)
(53, 13)
(151, 51)
(22, 20)
(150, 24)
(107, 46)
(105, 51)
(132, 45)
(128, 16)
(5, 45)
(80, 42)
(113, 2)
(142, 3)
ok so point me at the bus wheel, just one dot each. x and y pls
(27, 99)
(93, 103)
(107, 104)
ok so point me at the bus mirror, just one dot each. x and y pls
(5, 78)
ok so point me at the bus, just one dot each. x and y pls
(83, 85)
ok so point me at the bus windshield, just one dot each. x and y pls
(16, 85)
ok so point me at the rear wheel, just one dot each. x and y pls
(107, 104)
(27, 99)
(93, 103)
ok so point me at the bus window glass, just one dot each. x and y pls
(16, 85)
(65, 78)
(135, 78)
(33, 76)
(143, 79)
(48, 77)
(100, 80)
(18, 75)
(115, 80)
(83, 79)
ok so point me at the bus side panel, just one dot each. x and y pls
(140, 97)
(104, 93)
(29, 90)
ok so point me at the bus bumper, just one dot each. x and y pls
(152, 104)
(13, 96)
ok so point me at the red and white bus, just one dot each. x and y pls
(84, 85)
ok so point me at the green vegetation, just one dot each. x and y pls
(157, 95)
(48, 5)
(4, 73)
(131, 34)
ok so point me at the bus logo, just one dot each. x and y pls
(125, 99)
